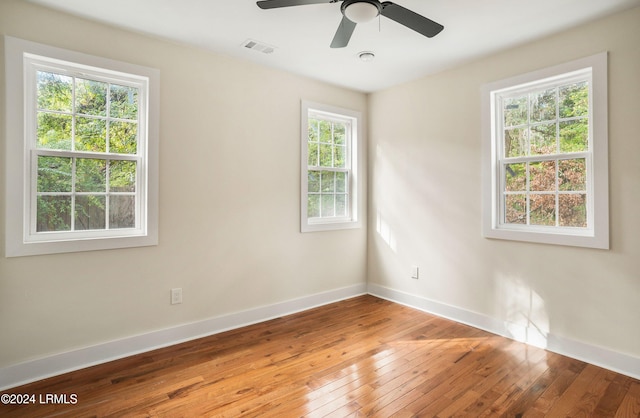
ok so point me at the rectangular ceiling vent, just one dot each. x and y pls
(258, 46)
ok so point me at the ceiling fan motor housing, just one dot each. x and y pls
(361, 11)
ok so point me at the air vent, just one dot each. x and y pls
(258, 46)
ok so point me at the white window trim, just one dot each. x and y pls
(593, 237)
(354, 219)
(18, 240)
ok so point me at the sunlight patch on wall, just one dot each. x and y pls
(526, 318)
(386, 233)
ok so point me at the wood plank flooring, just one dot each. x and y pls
(360, 357)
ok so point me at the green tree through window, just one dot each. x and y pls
(328, 170)
(86, 174)
(542, 130)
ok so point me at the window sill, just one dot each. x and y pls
(328, 225)
(586, 239)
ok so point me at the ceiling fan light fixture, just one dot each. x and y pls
(361, 11)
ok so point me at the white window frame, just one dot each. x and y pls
(596, 234)
(352, 220)
(23, 59)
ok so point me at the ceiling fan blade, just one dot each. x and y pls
(343, 34)
(272, 4)
(412, 20)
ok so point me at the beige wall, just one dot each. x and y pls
(425, 192)
(229, 203)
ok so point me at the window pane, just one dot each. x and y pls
(54, 131)
(543, 105)
(91, 97)
(90, 212)
(340, 156)
(341, 182)
(515, 142)
(516, 209)
(325, 131)
(543, 209)
(515, 111)
(313, 206)
(313, 181)
(326, 157)
(515, 177)
(542, 176)
(574, 135)
(54, 213)
(91, 134)
(313, 130)
(91, 175)
(327, 181)
(339, 133)
(573, 210)
(543, 139)
(122, 176)
(54, 174)
(55, 91)
(572, 174)
(327, 208)
(124, 102)
(122, 211)
(341, 205)
(312, 152)
(574, 100)
(123, 137)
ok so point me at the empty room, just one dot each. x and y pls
(319, 208)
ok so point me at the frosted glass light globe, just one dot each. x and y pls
(361, 12)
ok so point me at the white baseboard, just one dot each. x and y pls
(19, 374)
(602, 357)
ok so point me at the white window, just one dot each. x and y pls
(82, 151)
(329, 168)
(545, 154)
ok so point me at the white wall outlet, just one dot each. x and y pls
(176, 296)
(414, 272)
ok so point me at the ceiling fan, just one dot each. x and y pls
(361, 11)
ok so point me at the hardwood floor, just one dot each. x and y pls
(360, 357)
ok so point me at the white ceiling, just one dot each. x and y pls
(302, 34)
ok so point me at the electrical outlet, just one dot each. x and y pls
(176, 296)
(414, 272)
